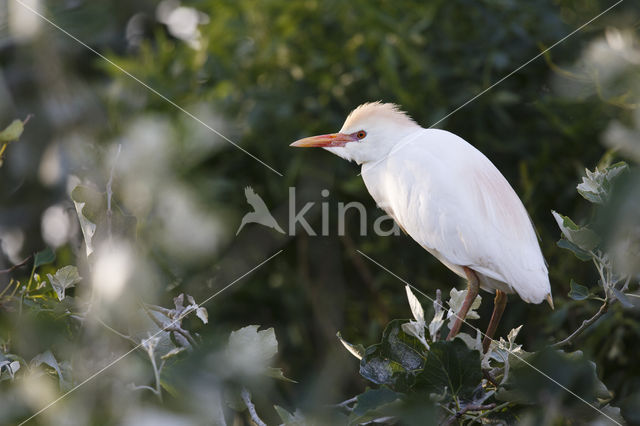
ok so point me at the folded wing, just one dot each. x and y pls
(456, 204)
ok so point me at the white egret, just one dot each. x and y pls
(450, 199)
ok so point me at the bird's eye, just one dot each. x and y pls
(361, 134)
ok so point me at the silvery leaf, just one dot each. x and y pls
(202, 314)
(456, 301)
(63, 279)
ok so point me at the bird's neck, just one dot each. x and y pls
(396, 145)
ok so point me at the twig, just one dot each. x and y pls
(385, 419)
(599, 267)
(345, 404)
(113, 330)
(437, 305)
(164, 311)
(175, 326)
(487, 375)
(246, 397)
(13, 293)
(16, 266)
(156, 374)
(493, 410)
(184, 333)
(33, 271)
(626, 284)
(110, 191)
(4, 290)
(467, 408)
(585, 324)
(437, 308)
(140, 387)
(156, 371)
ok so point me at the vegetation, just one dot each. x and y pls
(127, 296)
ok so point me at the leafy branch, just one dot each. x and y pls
(585, 324)
(596, 187)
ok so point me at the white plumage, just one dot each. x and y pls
(454, 202)
(446, 195)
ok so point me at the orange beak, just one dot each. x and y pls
(325, 141)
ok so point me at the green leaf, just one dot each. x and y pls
(277, 373)
(250, 352)
(95, 202)
(13, 131)
(10, 367)
(374, 398)
(416, 307)
(355, 350)
(91, 206)
(615, 169)
(581, 236)
(233, 398)
(373, 404)
(288, 419)
(596, 186)
(590, 196)
(395, 360)
(44, 257)
(64, 278)
(456, 300)
(570, 370)
(48, 359)
(88, 228)
(577, 251)
(578, 292)
(263, 341)
(451, 367)
(201, 312)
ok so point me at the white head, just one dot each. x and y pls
(368, 134)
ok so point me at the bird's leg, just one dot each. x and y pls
(499, 304)
(472, 292)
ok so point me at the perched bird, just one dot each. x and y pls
(450, 199)
(260, 213)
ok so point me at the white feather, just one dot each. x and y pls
(451, 199)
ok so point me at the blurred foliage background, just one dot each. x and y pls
(265, 74)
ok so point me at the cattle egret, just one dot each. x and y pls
(450, 199)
